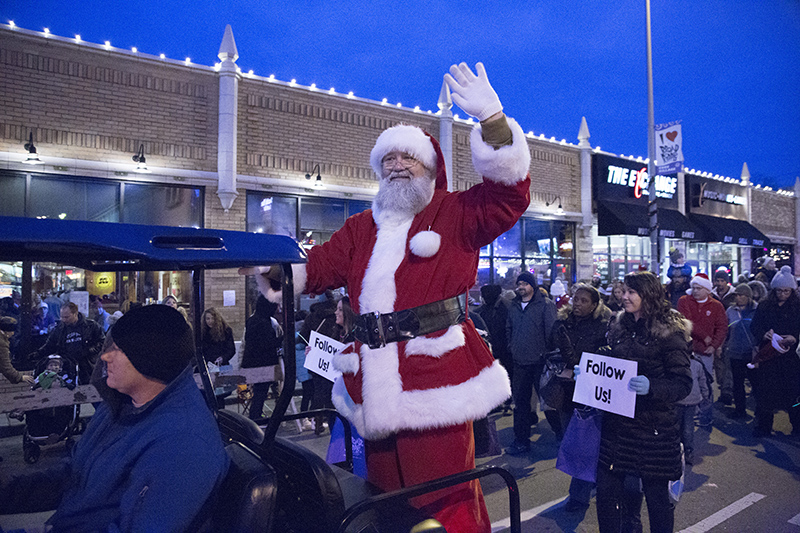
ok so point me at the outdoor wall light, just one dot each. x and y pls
(141, 161)
(559, 210)
(318, 179)
(33, 157)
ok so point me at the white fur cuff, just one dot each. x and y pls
(346, 363)
(299, 274)
(508, 164)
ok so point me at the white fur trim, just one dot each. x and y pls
(437, 346)
(300, 278)
(703, 282)
(403, 138)
(508, 164)
(425, 243)
(378, 290)
(424, 409)
(346, 363)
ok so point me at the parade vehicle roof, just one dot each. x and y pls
(109, 246)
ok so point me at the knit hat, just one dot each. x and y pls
(722, 273)
(557, 288)
(528, 278)
(8, 323)
(702, 280)
(156, 339)
(415, 142)
(743, 288)
(784, 279)
(491, 293)
(769, 261)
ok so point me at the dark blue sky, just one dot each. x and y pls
(729, 69)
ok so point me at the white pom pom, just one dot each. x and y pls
(425, 243)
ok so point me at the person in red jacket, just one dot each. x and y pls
(709, 330)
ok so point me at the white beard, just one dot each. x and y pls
(406, 197)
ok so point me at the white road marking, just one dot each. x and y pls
(723, 514)
(795, 520)
(526, 515)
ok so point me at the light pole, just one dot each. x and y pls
(652, 206)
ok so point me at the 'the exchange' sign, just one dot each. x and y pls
(603, 383)
(320, 359)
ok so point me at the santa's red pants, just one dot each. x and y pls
(411, 457)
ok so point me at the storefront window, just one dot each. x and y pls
(508, 243)
(74, 199)
(12, 196)
(506, 272)
(320, 218)
(697, 256)
(10, 278)
(162, 205)
(275, 215)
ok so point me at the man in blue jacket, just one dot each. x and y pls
(530, 321)
(152, 454)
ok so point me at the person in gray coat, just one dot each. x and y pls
(530, 322)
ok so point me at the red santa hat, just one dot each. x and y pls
(702, 280)
(415, 142)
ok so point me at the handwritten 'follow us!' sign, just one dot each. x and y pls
(320, 358)
(603, 383)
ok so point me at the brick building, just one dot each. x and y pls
(231, 150)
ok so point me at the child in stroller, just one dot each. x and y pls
(54, 424)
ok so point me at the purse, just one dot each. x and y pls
(552, 393)
(580, 447)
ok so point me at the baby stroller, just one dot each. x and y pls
(54, 424)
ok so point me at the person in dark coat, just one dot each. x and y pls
(530, 324)
(261, 343)
(494, 313)
(216, 338)
(581, 327)
(76, 337)
(322, 319)
(644, 449)
(777, 380)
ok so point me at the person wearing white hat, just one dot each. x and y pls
(777, 323)
(411, 388)
(709, 330)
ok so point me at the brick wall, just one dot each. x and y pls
(774, 214)
(91, 104)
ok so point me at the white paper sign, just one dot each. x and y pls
(603, 383)
(228, 298)
(320, 359)
(81, 299)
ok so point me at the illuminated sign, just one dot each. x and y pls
(722, 197)
(639, 180)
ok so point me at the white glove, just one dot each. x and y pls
(473, 93)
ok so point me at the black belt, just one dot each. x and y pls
(376, 330)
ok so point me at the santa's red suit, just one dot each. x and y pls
(413, 402)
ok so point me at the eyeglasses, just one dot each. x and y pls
(406, 161)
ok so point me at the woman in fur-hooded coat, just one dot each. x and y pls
(647, 446)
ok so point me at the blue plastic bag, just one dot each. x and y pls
(336, 449)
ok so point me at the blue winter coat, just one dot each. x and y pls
(147, 469)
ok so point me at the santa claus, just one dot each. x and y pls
(417, 372)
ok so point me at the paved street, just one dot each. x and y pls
(738, 484)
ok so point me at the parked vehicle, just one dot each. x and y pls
(274, 484)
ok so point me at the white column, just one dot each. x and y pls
(228, 114)
(681, 192)
(583, 255)
(446, 131)
(746, 182)
(586, 173)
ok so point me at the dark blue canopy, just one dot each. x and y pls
(106, 246)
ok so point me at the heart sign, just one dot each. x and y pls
(672, 135)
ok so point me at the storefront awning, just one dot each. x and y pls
(729, 230)
(617, 218)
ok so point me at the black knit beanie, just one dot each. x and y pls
(156, 339)
(528, 278)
